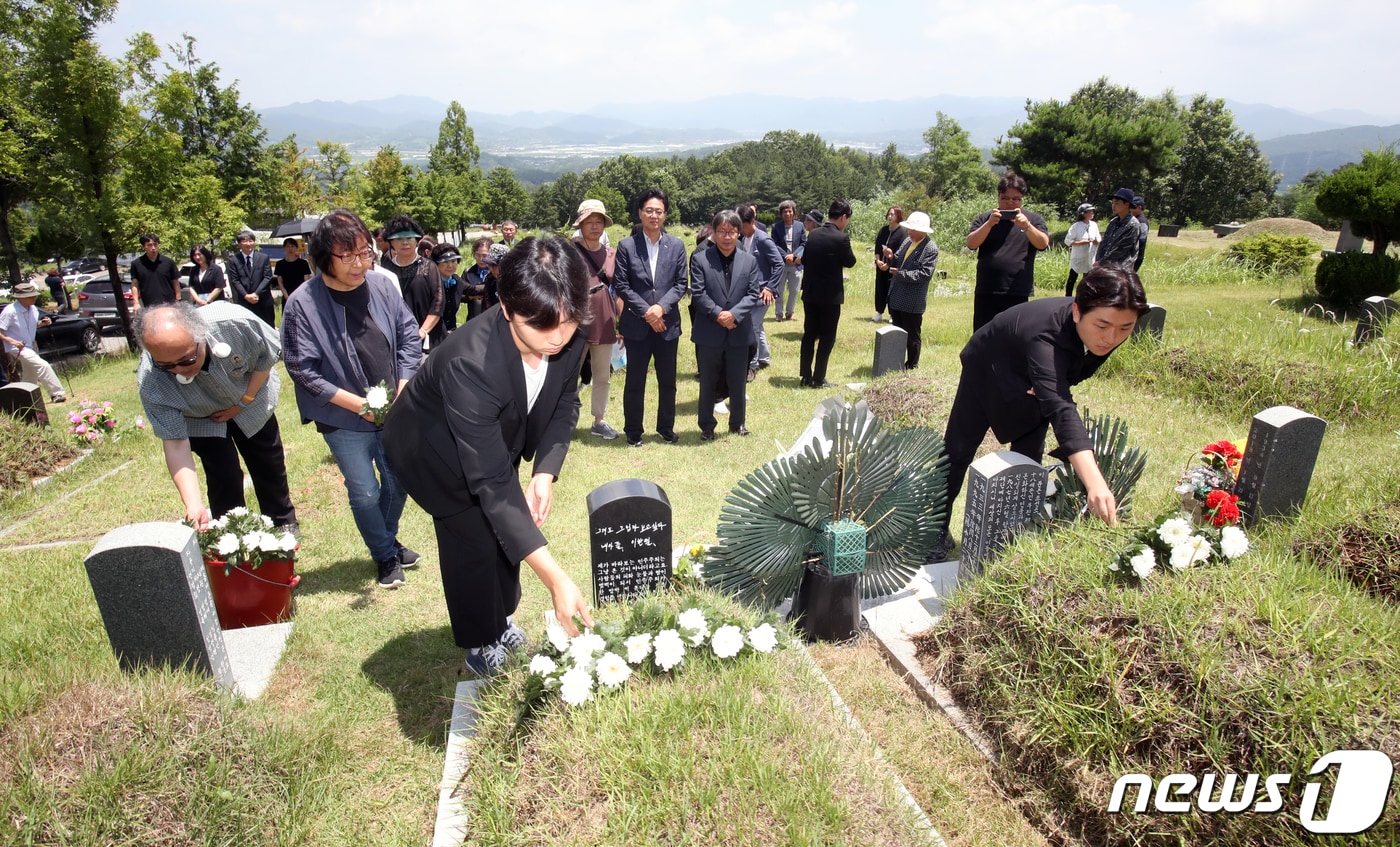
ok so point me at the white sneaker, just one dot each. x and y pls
(721, 409)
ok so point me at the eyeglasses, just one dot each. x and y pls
(365, 255)
(179, 363)
(652, 211)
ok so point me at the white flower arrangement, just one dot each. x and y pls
(607, 657)
(378, 399)
(241, 537)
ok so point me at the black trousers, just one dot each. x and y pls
(987, 306)
(733, 364)
(267, 465)
(882, 290)
(913, 324)
(967, 426)
(819, 336)
(1069, 284)
(640, 354)
(481, 585)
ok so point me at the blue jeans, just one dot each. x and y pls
(376, 503)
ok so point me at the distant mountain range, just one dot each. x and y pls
(541, 145)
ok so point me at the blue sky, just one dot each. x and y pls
(501, 57)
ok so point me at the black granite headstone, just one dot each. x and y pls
(25, 402)
(1372, 324)
(1278, 462)
(1153, 322)
(153, 591)
(891, 343)
(1005, 491)
(629, 528)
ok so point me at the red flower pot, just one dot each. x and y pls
(249, 597)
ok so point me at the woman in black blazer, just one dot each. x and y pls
(207, 282)
(1017, 373)
(502, 388)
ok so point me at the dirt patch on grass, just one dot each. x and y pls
(1365, 551)
(30, 452)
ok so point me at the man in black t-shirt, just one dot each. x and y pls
(154, 278)
(1006, 240)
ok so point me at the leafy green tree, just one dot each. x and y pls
(895, 169)
(386, 186)
(1221, 175)
(1300, 201)
(296, 192)
(21, 133)
(952, 167)
(506, 198)
(334, 173)
(454, 170)
(93, 121)
(1104, 136)
(1368, 195)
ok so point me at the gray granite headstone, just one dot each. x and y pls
(1005, 491)
(1153, 322)
(24, 401)
(629, 529)
(1372, 324)
(891, 343)
(153, 592)
(1278, 462)
(1347, 240)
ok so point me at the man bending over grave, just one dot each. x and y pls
(1016, 377)
(202, 370)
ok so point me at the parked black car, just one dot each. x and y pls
(68, 333)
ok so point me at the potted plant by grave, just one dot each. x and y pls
(853, 518)
(251, 569)
(1120, 464)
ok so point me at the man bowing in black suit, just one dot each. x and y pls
(250, 277)
(650, 278)
(724, 281)
(828, 252)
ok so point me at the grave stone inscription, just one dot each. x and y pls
(1005, 490)
(629, 527)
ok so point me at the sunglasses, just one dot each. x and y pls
(179, 363)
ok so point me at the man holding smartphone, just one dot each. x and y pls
(1006, 240)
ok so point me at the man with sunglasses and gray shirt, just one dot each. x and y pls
(208, 386)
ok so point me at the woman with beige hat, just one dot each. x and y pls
(911, 270)
(592, 222)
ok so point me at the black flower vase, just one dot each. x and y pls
(827, 607)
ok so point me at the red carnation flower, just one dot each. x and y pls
(1226, 511)
(1215, 498)
(1225, 450)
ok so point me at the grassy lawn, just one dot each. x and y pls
(347, 744)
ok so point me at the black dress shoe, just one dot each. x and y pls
(806, 382)
(707, 435)
(670, 438)
(739, 430)
(751, 375)
(634, 442)
(823, 384)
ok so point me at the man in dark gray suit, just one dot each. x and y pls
(650, 277)
(827, 254)
(728, 294)
(250, 277)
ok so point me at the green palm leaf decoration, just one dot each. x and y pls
(1121, 466)
(892, 482)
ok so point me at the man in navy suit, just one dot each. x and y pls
(769, 257)
(727, 288)
(790, 236)
(250, 277)
(650, 277)
(828, 253)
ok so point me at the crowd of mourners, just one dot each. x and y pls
(433, 381)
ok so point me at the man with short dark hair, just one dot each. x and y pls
(827, 254)
(292, 271)
(154, 277)
(1120, 239)
(1140, 215)
(249, 274)
(1007, 240)
(650, 279)
(790, 236)
(508, 230)
(769, 257)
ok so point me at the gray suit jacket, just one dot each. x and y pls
(632, 281)
(739, 297)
